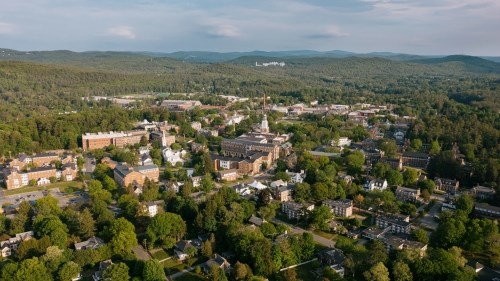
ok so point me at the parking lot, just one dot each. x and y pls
(63, 198)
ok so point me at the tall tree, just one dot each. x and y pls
(117, 272)
(86, 224)
(166, 228)
(401, 272)
(378, 272)
(153, 271)
(122, 235)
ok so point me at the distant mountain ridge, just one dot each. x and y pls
(159, 62)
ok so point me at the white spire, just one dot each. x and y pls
(264, 127)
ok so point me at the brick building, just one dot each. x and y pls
(125, 175)
(119, 139)
(341, 208)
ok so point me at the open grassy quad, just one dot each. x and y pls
(67, 186)
(189, 276)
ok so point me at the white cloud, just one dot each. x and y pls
(328, 32)
(122, 31)
(7, 28)
(222, 29)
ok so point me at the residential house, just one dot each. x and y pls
(228, 175)
(447, 185)
(397, 224)
(109, 162)
(296, 177)
(483, 192)
(256, 220)
(173, 157)
(340, 208)
(91, 243)
(278, 183)
(196, 126)
(10, 245)
(375, 184)
(341, 142)
(99, 274)
(152, 208)
(242, 189)
(182, 251)
(407, 194)
(334, 258)
(198, 147)
(294, 210)
(217, 261)
(283, 193)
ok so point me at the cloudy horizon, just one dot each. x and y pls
(425, 27)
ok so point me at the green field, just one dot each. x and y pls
(67, 186)
(159, 254)
(189, 276)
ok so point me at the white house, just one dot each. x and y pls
(173, 157)
(341, 142)
(376, 184)
(257, 185)
(296, 177)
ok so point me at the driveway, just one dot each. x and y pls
(140, 253)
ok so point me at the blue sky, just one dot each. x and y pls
(410, 26)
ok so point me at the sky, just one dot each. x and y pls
(425, 27)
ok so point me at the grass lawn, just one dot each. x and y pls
(305, 272)
(324, 234)
(189, 276)
(66, 186)
(159, 254)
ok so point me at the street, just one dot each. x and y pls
(318, 239)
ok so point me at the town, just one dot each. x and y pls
(251, 189)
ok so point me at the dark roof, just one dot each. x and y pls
(415, 154)
(183, 245)
(256, 221)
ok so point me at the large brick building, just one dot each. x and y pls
(42, 175)
(119, 139)
(37, 160)
(248, 146)
(125, 175)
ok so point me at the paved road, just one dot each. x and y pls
(175, 275)
(318, 239)
(428, 220)
(140, 253)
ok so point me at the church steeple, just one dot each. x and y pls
(264, 127)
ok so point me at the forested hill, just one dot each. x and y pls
(472, 64)
(327, 64)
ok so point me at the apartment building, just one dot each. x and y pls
(417, 160)
(294, 210)
(407, 194)
(396, 224)
(341, 208)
